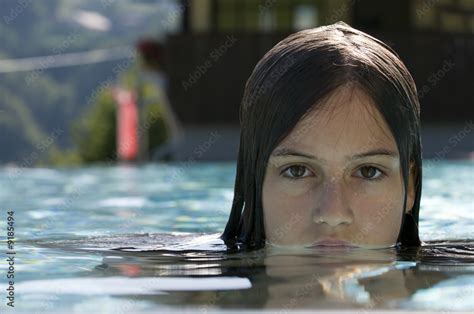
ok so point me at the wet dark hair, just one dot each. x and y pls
(291, 79)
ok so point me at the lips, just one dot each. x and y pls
(331, 242)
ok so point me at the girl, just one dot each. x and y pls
(330, 151)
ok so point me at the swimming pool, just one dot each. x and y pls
(86, 239)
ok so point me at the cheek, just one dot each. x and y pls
(295, 190)
(378, 213)
(286, 210)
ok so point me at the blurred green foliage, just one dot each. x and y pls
(94, 133)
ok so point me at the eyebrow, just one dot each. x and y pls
(282, 152)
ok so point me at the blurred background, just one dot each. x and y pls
(104, 81)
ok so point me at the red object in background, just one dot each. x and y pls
(127, 124)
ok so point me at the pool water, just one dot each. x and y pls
(144, 238)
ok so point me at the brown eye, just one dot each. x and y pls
(369, 172)
(295, 172)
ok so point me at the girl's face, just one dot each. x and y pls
(336, 176)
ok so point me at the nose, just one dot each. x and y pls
(332, 207)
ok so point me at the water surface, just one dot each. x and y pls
(122, 239)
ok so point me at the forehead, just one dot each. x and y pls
(347, 121)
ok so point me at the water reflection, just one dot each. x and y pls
(279, 278)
